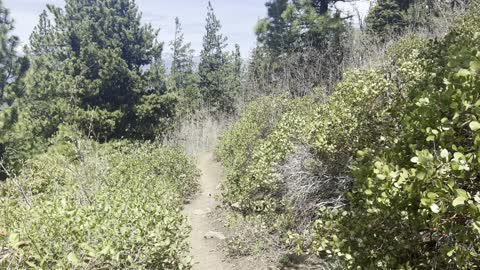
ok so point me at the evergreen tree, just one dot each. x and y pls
(321, 6)
(387, 17)
(212, 67)
(295, 25)
(235, 71)
(272, 32)
(12, 67)
(182, 64)
(183, 81)
(97, 59)
(12, 71)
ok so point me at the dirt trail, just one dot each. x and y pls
(205, 252)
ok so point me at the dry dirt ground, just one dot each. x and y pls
(203, 214)
(207, 219)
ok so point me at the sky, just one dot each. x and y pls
(238, 18)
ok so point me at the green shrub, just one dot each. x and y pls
(352, 117)
(409, 136)
(255, 145)
(270, 128)
(83, 205)
(415, 203)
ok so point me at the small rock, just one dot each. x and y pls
(216, 235)
(200, 212)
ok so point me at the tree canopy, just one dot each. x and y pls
(109, 64)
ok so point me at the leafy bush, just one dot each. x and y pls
(353, 116)
(83, 205)
(415, 203)
(413, 128)
(255, 145)
(270, 128)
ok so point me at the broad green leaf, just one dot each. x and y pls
(73, 259)
(450, 253)
(444, 154)
(432, 195)
(475, 66)
(435, 208)
(474, 125)
(462, 193)
(458, 201)
(464, 73)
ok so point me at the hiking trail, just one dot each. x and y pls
(205, 250)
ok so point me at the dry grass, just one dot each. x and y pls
(198, 133)
(309, 185)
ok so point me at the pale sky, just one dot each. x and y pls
(238, 18)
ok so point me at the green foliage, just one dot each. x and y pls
(413, 129)
(12, 67)
(213, 68)
(292, 26)
(96, 67)
(83, 205)
(301, 46)
(181, 72)
(99, 57)
(415, 201)
(255, 145)
(270, 127)
(182, 79)
(235, 72)
(12, 71)
(353, 116)
(386, 17)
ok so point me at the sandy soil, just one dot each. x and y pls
(206, 253)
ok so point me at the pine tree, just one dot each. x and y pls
(212, 67)
(295, 25)
(272, 32)
(42, 38)
(12, 67)
(321, 6)
(97, 59)
(12, 71)
(235, 71)
(386, 17)
(182, 64)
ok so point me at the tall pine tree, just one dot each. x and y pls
(12, 67)
(183, 81)
(235, 72)
(212, 80)
(12, 71)
(99, 61)
(295, 25)
(182, 65)
(387, 17)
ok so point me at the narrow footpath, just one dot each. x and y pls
(204, 240)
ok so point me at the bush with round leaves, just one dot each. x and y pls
(84, 205)
(415, 203)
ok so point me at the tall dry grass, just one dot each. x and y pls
(199, 132)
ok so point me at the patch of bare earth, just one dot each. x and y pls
(209, 234)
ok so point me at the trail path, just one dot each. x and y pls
(205, 252)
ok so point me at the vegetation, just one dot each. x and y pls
(354, 147)
(86, 182)
(83, 205)
(212, 67)
(388, 179)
